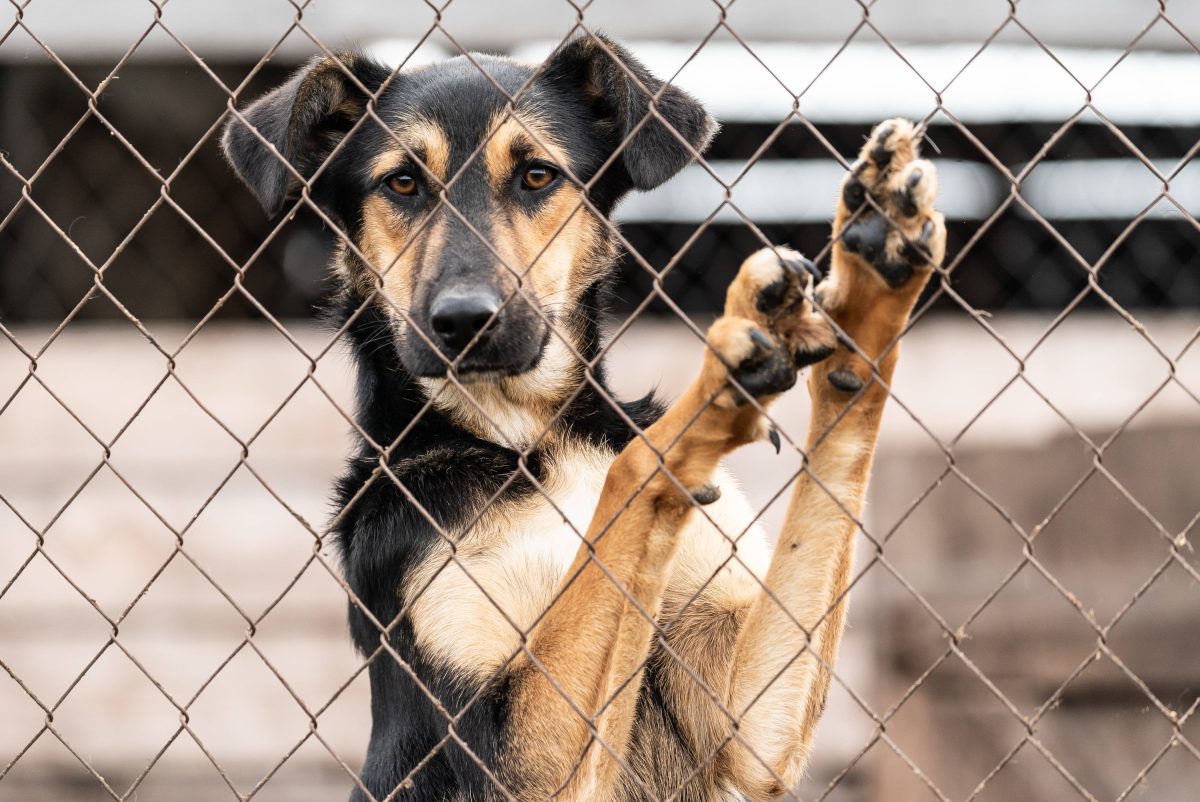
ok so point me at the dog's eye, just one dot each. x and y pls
(538, 176)
(402, 183)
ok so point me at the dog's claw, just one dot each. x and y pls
(804, 265)
(773, 436)
(805, 358)
(761, 340)
(706, 494)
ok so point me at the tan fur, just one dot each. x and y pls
(595, 638)
(810, 571)
(394, 250)
(553, 253)
(514, 133)
(471, 609)
(573, 609)
(421, 138)
(548, 258)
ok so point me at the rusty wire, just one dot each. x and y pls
(1174, 542)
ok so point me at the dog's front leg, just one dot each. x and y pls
(780, 673)
(574, 690)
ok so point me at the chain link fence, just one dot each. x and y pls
(1004, 650)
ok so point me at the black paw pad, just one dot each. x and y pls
(772, 296)
(845, 380)
(854, 194)
(786, 293)
(905, 199)
(896, 274)
(916, 253)
(867, 237)
(705, 494)
(768, 371)
(912, 253)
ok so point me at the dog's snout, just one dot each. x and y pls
(456, 317)
(467, 322)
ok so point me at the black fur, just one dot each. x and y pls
(593, 102)
(381, 534)
(620, 94)
(443, 474)
(593, 95)
(302, 120)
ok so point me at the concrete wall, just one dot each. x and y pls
(223, 29)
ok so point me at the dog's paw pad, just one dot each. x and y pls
(867, 237)
(891, 145)
(854, 193)
(880, 148)
(772, 283)
(887, 216)
(908, 196)
(756, 364)
(845, 380)
(774, 288)
(914, 190)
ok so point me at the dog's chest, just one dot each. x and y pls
(469, 608)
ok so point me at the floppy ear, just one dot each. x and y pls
(304, 119)
(611, 88)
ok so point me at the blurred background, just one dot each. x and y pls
(1025, 622)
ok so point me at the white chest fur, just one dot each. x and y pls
(470, 608)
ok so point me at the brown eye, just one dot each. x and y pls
(538, 176)
(402, 184)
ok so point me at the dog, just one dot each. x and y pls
(562, 595)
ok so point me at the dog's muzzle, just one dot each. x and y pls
(474, 330)
(460, 318)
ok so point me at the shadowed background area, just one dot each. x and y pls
(172, 411)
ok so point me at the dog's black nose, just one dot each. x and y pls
(457, 317)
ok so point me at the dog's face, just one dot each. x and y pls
(470, 218)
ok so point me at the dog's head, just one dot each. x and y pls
(462, 210)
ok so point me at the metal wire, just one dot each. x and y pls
(1174, 543)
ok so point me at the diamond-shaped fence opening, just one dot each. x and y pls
(177, 394)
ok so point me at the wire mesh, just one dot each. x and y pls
(1029, 721)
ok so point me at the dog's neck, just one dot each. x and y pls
(520, 412)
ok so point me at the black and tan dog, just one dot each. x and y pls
(561, 603)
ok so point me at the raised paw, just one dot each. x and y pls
(774, 289)
(888, 237)
(885, 213)
(749, 362)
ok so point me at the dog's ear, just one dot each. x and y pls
(620, 90)
(303, 119)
